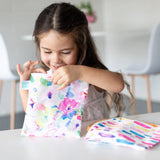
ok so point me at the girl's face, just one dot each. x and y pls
(57, 49)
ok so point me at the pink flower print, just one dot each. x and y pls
(67, 105)
(79, 117)
(32, 103)
(40, 107)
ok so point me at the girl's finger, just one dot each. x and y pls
(32, 65)
(26, 65)
(60, 81)
(62, 86)
(39, 70)
(19, 71)
(55, 78)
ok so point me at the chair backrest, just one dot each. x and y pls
(153, 64)
(4, 60)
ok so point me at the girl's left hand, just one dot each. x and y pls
(65, 75)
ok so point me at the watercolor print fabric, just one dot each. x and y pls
(53, 112)
(126, 132)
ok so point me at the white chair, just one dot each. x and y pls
(7, 75)
(151, 67)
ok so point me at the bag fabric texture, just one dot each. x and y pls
(124, 132)
(53, 112)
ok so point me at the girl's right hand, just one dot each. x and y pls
(28, 68)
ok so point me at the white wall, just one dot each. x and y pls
(127, 22)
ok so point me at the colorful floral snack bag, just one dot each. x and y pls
(124, 132)
(53, 112)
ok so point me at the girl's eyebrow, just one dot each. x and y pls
(45, 48)
(59, 50)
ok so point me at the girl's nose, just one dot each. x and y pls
(55, 58)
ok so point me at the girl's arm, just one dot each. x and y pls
(24, 96)
(28, 68)
(107, 80)
(101, 78)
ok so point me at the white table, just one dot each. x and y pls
(15, 147)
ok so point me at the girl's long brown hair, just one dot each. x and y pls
(67, 19)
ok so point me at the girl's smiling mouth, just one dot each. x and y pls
(55, 67)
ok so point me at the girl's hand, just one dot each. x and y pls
(65, 75)
(28, 68)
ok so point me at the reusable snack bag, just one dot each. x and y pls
(53, 112)
(126, 132)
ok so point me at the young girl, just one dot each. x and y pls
(66, 47)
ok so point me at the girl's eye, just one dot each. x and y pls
(48, 52)
(66, 52)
